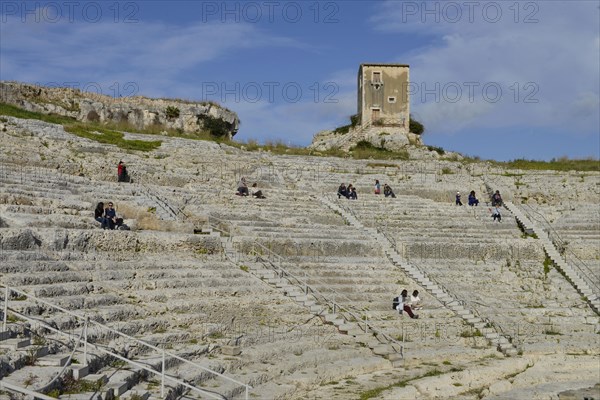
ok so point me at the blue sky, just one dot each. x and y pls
(500, 80)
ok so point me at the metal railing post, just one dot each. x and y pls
(85, 340)
(4, 317)
(246, 392)
(162, 375)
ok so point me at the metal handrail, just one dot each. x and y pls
(352, 311)
(555, 237)
(114, 331)
(19, 389)
(159, 200)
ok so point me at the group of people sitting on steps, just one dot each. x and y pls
(108, 217)
(496, 201)
(243, 190)
(347, 192)
(403, 304)
(350, 191)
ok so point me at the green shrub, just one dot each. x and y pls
(172, 112)
(438, 150)
(415, 126)
(215, 126)
(365, 150)
(342, 129)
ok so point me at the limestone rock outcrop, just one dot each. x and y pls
(389, 138)
(138, 112)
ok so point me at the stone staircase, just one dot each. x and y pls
(328, 310)
(580, 283)
(503, 343)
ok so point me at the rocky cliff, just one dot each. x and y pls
(138, 112)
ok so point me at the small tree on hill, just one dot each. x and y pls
(415, 126)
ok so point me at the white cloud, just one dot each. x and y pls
(85, 52)
(555, 61)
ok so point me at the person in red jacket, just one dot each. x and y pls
(122, 175)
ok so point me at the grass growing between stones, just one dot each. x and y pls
(561, 164)
(373, 393)
(73, 386)
(109, 136)
(91, 131)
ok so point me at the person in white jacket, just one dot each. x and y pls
(415, 301)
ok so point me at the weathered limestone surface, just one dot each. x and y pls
(165, 284)
(139, 112)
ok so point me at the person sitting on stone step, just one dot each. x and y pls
(242, 189)
(352, 193)
(258, 194)
(387, 191)
(404, 306)
(415, 301)
(349, 191)
(342, 191)
(110, 217)
(472, 199)
(99, 213)
(122, 175)
(496, 199)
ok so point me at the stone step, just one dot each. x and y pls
(316, 309)
(100, 377)
(135, 395)
(479, 325)
(331, 317)
(347, 327)
(15, 343)
(53, 360)
(394, 357)
(511, 352)
(118, 387)
(79, 371)
(383, 350)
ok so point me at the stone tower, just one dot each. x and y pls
(383, 95)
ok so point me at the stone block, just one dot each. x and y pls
(79, 371)
(231, 350)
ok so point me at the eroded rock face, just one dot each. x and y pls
(139, 112)
(389, 138)
(386, 137)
